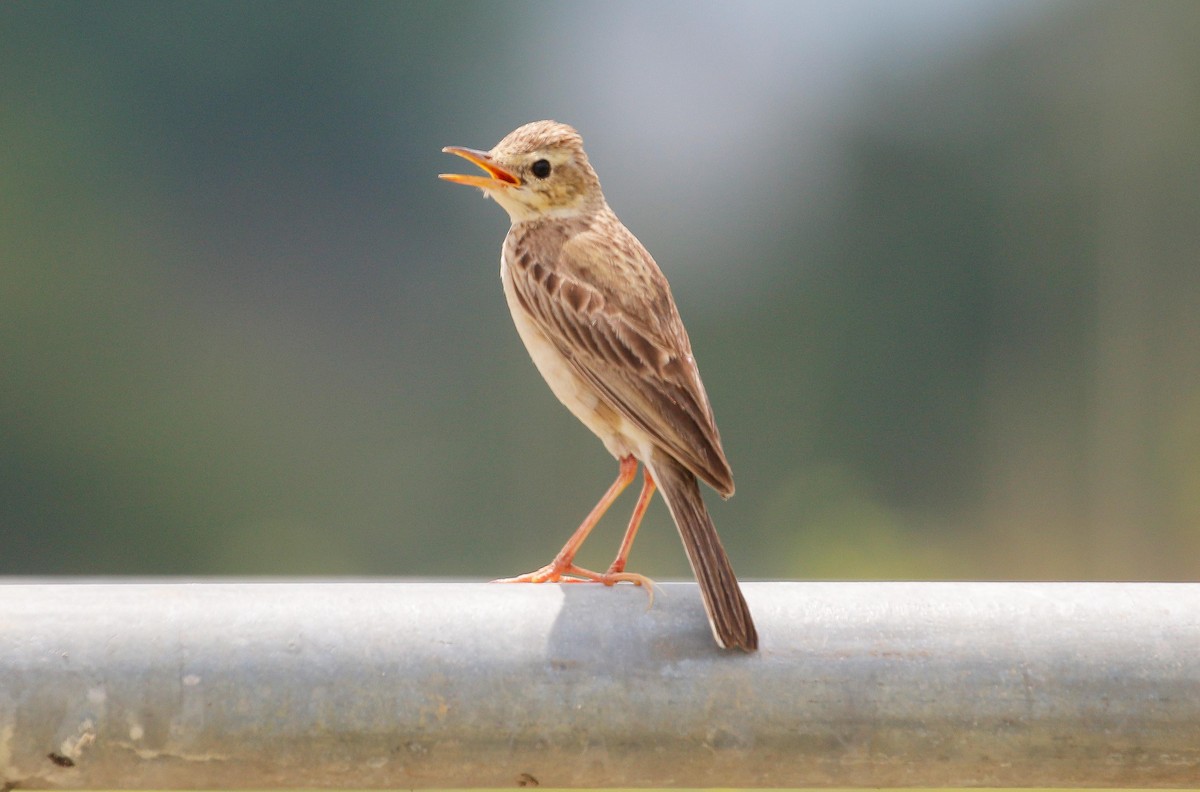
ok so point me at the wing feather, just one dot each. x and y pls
(624, 337)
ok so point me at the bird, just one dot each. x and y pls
(597, 317)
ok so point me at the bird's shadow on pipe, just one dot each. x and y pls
(635, 629)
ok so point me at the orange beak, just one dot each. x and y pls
(497, 177)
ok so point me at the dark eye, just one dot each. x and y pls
(541, 169)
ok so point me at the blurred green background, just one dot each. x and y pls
(940, 263)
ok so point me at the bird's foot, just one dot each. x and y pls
(553, 572)
(556, 572)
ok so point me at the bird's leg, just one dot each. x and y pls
(564, 562)
(616, 571)
(635, 522)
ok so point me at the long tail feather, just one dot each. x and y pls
(727, 612)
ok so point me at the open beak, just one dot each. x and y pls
(497, 177)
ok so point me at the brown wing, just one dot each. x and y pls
(603, 301)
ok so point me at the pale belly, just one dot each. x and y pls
(619, 435)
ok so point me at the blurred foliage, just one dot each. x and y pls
(947, 318)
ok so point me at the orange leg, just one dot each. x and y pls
(562, 568)
(635, 522)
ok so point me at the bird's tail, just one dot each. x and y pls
(727, 612)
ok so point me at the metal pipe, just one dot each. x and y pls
(244, 685)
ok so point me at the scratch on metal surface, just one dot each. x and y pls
(167, 753)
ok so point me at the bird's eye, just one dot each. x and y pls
(540, 169)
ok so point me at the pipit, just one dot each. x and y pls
(598, 319)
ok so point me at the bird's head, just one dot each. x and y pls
(537, 171)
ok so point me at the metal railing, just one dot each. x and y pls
(253, 685)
